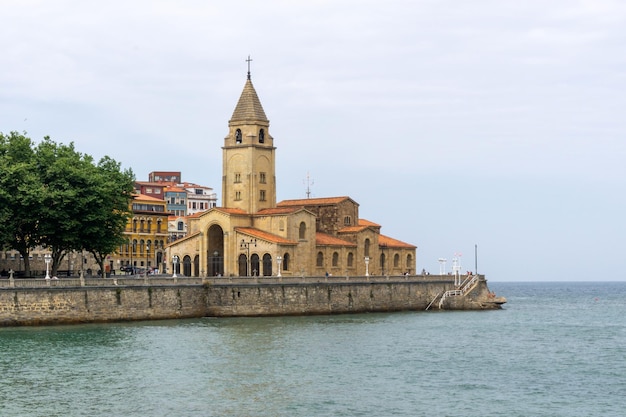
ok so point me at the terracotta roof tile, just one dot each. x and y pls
(269, 237)
(352, 229)
(143, 197)
(313, 201)
(393, 243)
(230, 210)
(363, 222)
(277, 210)
(327, 240)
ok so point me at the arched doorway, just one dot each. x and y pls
(254, 265)
(215, 252)
(267, 265)
(243, 265)
(187, 266)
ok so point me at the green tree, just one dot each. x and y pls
(54, 196)
(68, 179)
(21, 195)
(104, 225)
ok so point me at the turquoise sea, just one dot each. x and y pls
(556, 349)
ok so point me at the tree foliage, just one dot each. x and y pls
(57, 197)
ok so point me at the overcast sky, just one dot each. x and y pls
(452, 123)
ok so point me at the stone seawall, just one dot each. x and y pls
(108, 303)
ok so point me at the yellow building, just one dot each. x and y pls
(147, 234)
(253, 235)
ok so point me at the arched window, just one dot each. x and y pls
(335, 259)
(243, 265)
(350, 260)
(238, 136)
(261, 136)
(158, 226)
(367, 247)
(181, 226)
(254, 265)
(196, 266)
(302, 232)
(396, 260)
(267, 265)
(149, 226)
(285, 265)
(187, 266)
(320, 259)
(383, 267)
(409, 262)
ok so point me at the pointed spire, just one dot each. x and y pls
(249, 106)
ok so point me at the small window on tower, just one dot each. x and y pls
(347, 221)
(237, 177)
(238, 136)
(262, 136)
(262, 177)
(262, 196)
(237, 195)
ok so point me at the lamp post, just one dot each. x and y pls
(367, 265)
(215, 268)
(174, 262)
(47, 258)
(147, 256)
(442, 265)
(279, 259)
(383, 258)
(246, 245)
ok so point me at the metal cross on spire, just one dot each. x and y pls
(248, 61)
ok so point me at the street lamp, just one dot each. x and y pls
(279, 259)
(215, 270)
(147, 256)
(367, 263)
(246, 245)
(383, 257)
(174, 262)
(47, 258)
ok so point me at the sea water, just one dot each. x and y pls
(556, 349)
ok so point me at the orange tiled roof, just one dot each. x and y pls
(230, 210)
(363, 222)
(312, 201)
(393, 243)
(143, 197)
(175, 189)
(277, 210)
(352, 229)
(260, 234)
(328, 240)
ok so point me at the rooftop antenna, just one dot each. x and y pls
(308, 183)
(248, 61)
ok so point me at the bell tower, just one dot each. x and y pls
(248, 156)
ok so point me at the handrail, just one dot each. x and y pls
(431, 303)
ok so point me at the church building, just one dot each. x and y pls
(253, 235)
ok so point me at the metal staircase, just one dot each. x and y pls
(465, 287)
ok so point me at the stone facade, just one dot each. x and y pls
(109, 303)
(253, 235)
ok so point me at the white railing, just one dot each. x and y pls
(130, 280)
(467, 285)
